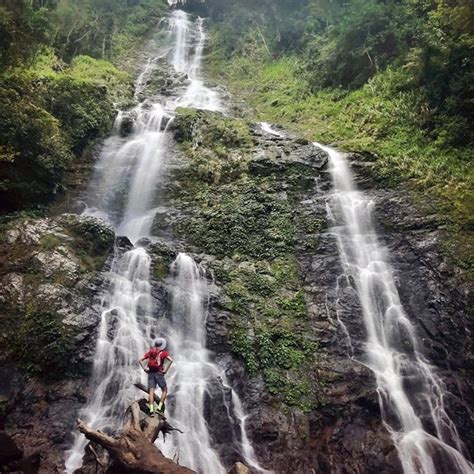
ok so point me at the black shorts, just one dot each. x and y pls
(156, 378)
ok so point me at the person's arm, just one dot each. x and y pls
(142, 365)
(170, 360)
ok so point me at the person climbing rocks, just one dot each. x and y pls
(156, 371)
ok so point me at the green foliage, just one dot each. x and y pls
(43, 345)
(22, 29)
(34, 152)
(241, 218)
(218, 145)
(345, 44)
(398, 76)
(363, 39)
(84, 110)
(98, 28)
(45, 121)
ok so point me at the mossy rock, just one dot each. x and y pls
(212, 129)
(162, 256)
(245, 217)
(92, 235)
(43, 345)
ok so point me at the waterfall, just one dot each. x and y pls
(123, 191)
(197, 94)
(193, 372)
(411, 395)
(128, 306)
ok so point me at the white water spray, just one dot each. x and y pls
(197, 94)
(267, 128)
(123, 192)
(193, 373)
(411, 395)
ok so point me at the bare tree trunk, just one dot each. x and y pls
(133, 450)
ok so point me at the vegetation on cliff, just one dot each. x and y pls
(393, 79)
(58, 88)
(247, 221)
(47, 272)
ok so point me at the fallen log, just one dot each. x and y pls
(133, 451)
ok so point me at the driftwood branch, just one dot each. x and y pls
(99, 459)
(133, 449)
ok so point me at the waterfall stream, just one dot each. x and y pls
(411, 395)
(123, 191)
(194, 372)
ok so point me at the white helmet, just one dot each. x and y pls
(160, 343)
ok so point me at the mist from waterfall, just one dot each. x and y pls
(123, 192)
(411, 395)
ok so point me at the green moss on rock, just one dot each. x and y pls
(43, 345)
(50, 241)
(93, 238)
(219, 146)
(269, 328)
(245, 218)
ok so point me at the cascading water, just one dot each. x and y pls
(411, 395)
(267, 128)
(123, 192)
(197, 94)
(194, 372)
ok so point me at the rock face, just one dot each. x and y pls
(50, 281)
(339, 429)
(251, 208)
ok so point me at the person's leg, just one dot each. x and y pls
(151, 392)
(151, 396)
(164, 390)
(164, 394)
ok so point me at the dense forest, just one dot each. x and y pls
(391, 78)
(58, 86)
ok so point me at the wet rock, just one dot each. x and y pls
(57, 262)
(123, 243)
(29, 232)
(13, 289)
(127, 124)
(239, 468)
(218, 409)
(306, 160)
